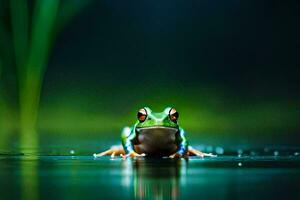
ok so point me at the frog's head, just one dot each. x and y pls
(157, 131)
(167, 118)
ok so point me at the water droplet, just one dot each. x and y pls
(240, 164)
(240, 152)
(219, 150)
(276, 153)
(252, 153)
(296, 153)
(72, 152)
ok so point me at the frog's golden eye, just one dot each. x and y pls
(174, 115)
(142, 115)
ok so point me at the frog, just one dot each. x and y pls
(154, 134)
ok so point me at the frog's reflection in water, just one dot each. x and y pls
(154, 178)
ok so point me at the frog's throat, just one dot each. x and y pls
(157, 140)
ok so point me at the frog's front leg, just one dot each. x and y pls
(184, 150)
(128, 140)
(114, 150)
(182, 144)
(194, 152)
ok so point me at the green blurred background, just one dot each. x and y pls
(78, 69)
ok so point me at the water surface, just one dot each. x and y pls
(61, 172)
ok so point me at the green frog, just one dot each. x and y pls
(156, 135)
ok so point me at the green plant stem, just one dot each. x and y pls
(2, 102)
(3, 114)
(41, 35)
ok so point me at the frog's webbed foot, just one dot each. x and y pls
(113, 151)
(194, 152)
(178, 155)
(133, 155)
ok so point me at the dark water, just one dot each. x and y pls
(234, 174)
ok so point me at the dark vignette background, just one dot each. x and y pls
(229, 67)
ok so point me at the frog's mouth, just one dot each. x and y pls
(157, 140)
(157, 131)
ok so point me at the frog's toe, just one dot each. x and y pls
(178, 155)
(104, 153)
(113, 154)
(114, 150)
(194, 152)
(133, 155)
(172, 156)
(209, 155)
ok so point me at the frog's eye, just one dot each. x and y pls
(174, 115)
(142, 115)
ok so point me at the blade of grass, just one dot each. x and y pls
(3, 128)
(2, 103)
(44, 18)
(6, 61)
(5, 116)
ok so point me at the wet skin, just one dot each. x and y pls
(156, 135)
